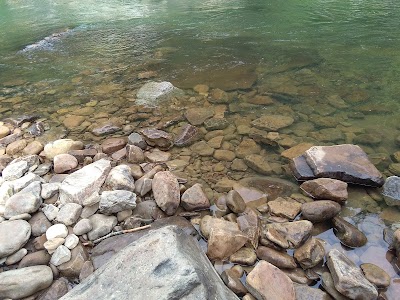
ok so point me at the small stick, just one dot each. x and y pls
(90, 243)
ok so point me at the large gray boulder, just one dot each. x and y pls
(165, 264)
(85, 182)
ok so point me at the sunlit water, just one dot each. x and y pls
(63, 54)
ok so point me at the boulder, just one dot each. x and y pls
(391, 191)
(171, 264)
(21, 283)
(84, 182)
(166, 191)
(13, 235)
(348, 278)
(326, 188)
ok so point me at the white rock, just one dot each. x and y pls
(60, 256)
(120, 178)
(6, 191)
(90, 210)
(69, 213)
(50, 211)
(53, 244)
(16, 257)
(102, 225)
(13, 235)
(153, 92)
(61, 146)
(26, 201)
(50, 189)
(57, 231)
(112, 202)
(71, 241)
(15, 170)
(91, 200)
(24, 181)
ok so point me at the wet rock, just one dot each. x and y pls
(57, 231)
(157, 156)
(235, 202)
(298, 275)
(207, 223)
(216, 124)
(320, 211)
(64, 163)
(120, 178)
(187, 135)
(28, 200)
(105, 129)
(304, 292)
(137, 140)
(156, 255)
(197, 116)
(288, 235)
(134, 154)
(247, 147)
(223, 242)
(60, 256)
(20, 283)
(157, 138)
(112, 145)
(39, 224)
(272, 122)
(310, 254)
(57, 289)
(284, 207)
(272, 187)
(60, 147)
(69, 213)
(277, 258)
(73, 121)
(34, 147)
(101, 225)
(375, 275)
(348, 278)
(84, 182)
(329, 286)
(244, 256)
(115, 201)
(391, 191)
(202, 148)
(348, 163)
(166, 191)
(348, 234)
(266, 281)
(258, 163)
(152, 92)
(224, 155)
(232, 280)
(326, 188)
(194, 199)
(296, 151)
(300, 168)
(73, 267)
(15, 170)
(249, 224)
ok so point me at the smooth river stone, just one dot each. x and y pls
(348, 234)
(279, 259)
(166, 191)
(319, 211)
(272, 122)
(194, 198)
(326, 189)
(345, 162)
(13, 235)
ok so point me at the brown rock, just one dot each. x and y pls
(224, 155)
(207, 223)
(197, 116)
(157, 138)
(376, 275)
(64, 163)
(304, 292)
(73, 121)
(267, 282)
(187, 135)
(34, 147)
(249, 224)
(348, 234)
(284, 207)
(319, 211)
(258, 163)
(232, 280)
(223, 242)
(218, 96)
(39, 223)
(16, 147)
(298, 275)
(244, 256)
(247, 147)
(326, 188)
(272, 122)
(296, 150)
(310, 253)
(194, 198)
(81, 154)
(166, 191)
(277, 258)
(4, 131)
(235, 202)
(73, 267)
(57, 289)
(41, 257)
(112, 145)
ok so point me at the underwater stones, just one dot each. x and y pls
(391, 191)
(187, 135)
(267, 282)
(258, 163)
(73, 121)
(348, 234)
(137, 140)
(61, 146)
(348, 278)
(272, 122)
(320, 211)
(216, 124)
(153, 92)
(13, 235)
(326, 188)
(197, 116)
(375, 275)
(166, 191)
(296, 150)
(105, 129)
(247, 147)
(157, 138)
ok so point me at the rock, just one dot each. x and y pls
(60, 147)
(232, 280)
(84, 182)
(120, 178)
(272, 122)
(57, 231)
(4, 131)
(41, 257)
(320, 211)
(112, 145)
(247, 147)
(158, 138)
(258, 163)
(207, 223)
(69, 213)
(64, 163)
(71, 241)
(326, 188)
(137, 140)
(267, 282)
(376, 275)
(348, 163)
(194, 199)
(284, 207)
(235, 202)
(288, 235)
(112, 202)
(310, 254)
(81, 155)
(296, 151)
(187, 136)
(348, 278)
(202, 148)
(244, 256)
(73, 121)
(15, 147)
(166, 191)
(197, 116)
(5, 141)
(348, 234)
(101, 225)
(304, 292)
(277, 258)
(82, 227)
(43, 169)
(57, 289)
(16, 257)
(73, 267)
(223, 242)
(34, 147)
(105, 129)
(298, 275)
(15, 170)
(39, 224)
(157, 156)
(151, 93)
(219, 96)
(224, 155)
(155, 255)
(216, 124)
(28, 200)
(300, 168)
(49, 189)
(87, 269)
(249, 224)
(52, 245)
(24, 181)
(20, 283)
(329, 286)
(391, 191)
(50, 211)
(134, 154)
(60, 256)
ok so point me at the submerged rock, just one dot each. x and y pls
(391, 191)
(152, 93)
(348, 234)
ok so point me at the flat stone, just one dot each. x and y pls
(115, 201)
(194, 198)
(155, 255)
(166, 191)
(84, 182)
(224, 155)
(244, 256)
(60, 147)
(69, 213)
(202, 148)
(152, 92)
(39, 223)
(101, 225)
(346, 162)
(15, 170)
(272, 122)
(376, 275)
(300, 168)
(112, 145)
(216, 124)
(157, 156)
(277, 258)
(284, 207)
(258, 163)
(320, 211)
(197, 116)
(120, 178)
(64, 163)
(391, 191)
(310, 254)
(208, 223)
(188, 135)
(348, 278)
(326, 188)
(57, 289)
(41, 257)
(304, 292)
(296, 151)
(267, 282)
(21, 283)
(16, 257)
(247, 147)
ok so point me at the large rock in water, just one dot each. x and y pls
(346, 162)
(85, 182)
(153, 92)
(165, 264)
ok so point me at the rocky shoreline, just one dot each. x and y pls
(72, 213)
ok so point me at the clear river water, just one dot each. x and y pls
(332, 65)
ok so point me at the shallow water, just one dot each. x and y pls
(332, 65)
